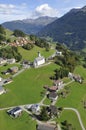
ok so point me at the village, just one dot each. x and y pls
(51, 91)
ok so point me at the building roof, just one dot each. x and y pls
(58, 81)
(46, 127)
(53, 88)
(53, 109)
(53, 94)
(14, 110)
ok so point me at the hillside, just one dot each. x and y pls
(29, 26)
(69, 29)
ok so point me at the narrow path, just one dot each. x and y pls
(78, 115)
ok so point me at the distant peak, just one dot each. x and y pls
(83, 9)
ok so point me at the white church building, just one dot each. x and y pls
(39, 60)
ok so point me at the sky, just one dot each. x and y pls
(23, 9)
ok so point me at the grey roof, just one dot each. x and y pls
(53, 109)
(46, 127)
(53, 95)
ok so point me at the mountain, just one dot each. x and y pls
(69, 29)
(29, 26)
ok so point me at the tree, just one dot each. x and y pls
(19, 33)
(44, 115)
(28, 46)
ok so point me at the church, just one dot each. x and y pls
(39, 60)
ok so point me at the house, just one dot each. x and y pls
(7, 81)
(52, 96)
(2, 90)
(53, 88)
(39, 60)
(58, 53)
(6, 72)
(52, 110)
(11, 61)
(77, 78)
(13, 69)
(3, 61)
(35, 108)
(15, 112)
(46, 126)
(26, 64)
(59, 83)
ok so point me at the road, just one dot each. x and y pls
(78, 115)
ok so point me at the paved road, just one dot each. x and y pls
(78, 115)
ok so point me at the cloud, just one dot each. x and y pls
(10, 9)
(9, 12)
(45, 10)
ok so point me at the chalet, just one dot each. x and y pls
(2, 61)
(53, 88)
(52, 110)
(26, 64)
(39, 60)
(11, 61)
(46, 126)
(35, 108)
(7, 81)
(2, 90)
(58, 53)
(77, 78)
(52, 96)
(13, 69)
(59, 84)
(15, 112)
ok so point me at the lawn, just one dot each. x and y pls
(32, 54)
(27, 87)
(71, 117)
(24, 122)
(76, 96)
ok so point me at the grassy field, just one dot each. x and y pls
(27, 87)
(71, 117)
(24, 122)
(76, 96)
(31, 55)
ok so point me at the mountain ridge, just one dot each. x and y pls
(69, 29)
(29, 26)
